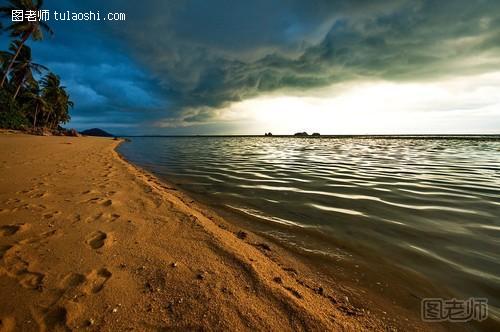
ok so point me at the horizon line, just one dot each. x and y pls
(323, 136)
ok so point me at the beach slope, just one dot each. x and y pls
(89, 241)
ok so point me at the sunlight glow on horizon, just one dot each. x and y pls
(465, 105)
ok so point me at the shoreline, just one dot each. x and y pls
(384, 293)
(98, 242)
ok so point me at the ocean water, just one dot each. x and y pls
(430, 206)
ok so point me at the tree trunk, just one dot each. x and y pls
(34, 120)
(19, 87)
(48, 116)
(17, 91)
(23, 40)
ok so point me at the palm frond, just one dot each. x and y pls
(38, 68)
(45, 27)
(6, 12)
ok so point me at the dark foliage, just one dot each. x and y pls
(31, 97)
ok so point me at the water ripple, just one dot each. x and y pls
(430, 205)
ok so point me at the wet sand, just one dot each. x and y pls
(89, 241)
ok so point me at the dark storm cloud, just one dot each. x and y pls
(181, 60)
(109, 88)
(209, 53)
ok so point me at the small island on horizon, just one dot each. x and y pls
(306, 134)
(96, 132)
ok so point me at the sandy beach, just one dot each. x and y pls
(89, 241)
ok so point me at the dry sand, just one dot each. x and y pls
(89, 241)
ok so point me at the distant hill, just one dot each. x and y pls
(96, 132)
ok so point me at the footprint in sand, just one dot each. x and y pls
(12, 201)
(4, 249)
(7, 324)
(107, 202)
(93, 200)
(108, 217)
(41, 238)
(40, 194)
(90, 192)
(98, 200)
(72, 280)
(97, 279)
(97, 239)
(31, 280)
(53, 319)
(8, 230)
(18, 268)
(26, 191)
(52, 214)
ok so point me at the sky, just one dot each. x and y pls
(177, 67)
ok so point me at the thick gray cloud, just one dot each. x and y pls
(206, 54)
(109, 88)
(182, 60)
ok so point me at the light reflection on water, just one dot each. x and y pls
(432, 205)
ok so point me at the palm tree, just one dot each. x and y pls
(25, 29)
(61, 114)
(23, 68)
(5, 58)
(57, 97)
(36, 101)
(6, 92)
